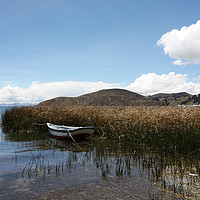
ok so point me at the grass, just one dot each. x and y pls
(174, 128)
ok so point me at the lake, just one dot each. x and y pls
(38, 166)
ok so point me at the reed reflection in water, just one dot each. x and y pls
(49, 167)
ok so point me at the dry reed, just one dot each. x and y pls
(167, 126)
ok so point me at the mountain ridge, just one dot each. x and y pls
(175, 95)
(105, 97)
(119, 97)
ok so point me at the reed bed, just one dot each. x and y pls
(177, 128)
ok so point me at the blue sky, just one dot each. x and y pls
(55, 48)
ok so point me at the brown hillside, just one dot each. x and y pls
(168, 95)
(107, 97)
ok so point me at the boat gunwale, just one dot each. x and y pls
(65, 129)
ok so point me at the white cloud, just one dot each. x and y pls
(180, 63)
(38, 92)
(146, 84)
(183, 45)
(152, 83)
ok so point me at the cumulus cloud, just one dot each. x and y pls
(38, 92)
(182, 45)
(152, 83)
(146, 84)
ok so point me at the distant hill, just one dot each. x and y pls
(107, 97)
(175, 95)
(173, 99)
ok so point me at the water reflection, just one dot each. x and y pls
(45, 164)
(180, 175)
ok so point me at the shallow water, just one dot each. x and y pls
(41, 167)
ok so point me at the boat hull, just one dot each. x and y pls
(64, 132)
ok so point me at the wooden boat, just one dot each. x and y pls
(67, 132)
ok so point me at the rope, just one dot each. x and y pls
(100, 172)
(73, 139)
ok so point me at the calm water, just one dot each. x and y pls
(40, 167)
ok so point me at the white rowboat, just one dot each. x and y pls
(67, 132)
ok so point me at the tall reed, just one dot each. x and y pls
(178, 128)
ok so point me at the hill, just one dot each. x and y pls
(174, 95)
(173, 99)
(107, 97)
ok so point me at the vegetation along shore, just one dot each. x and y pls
(118, 115)
(175, 128)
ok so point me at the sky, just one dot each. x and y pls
(51, 48)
